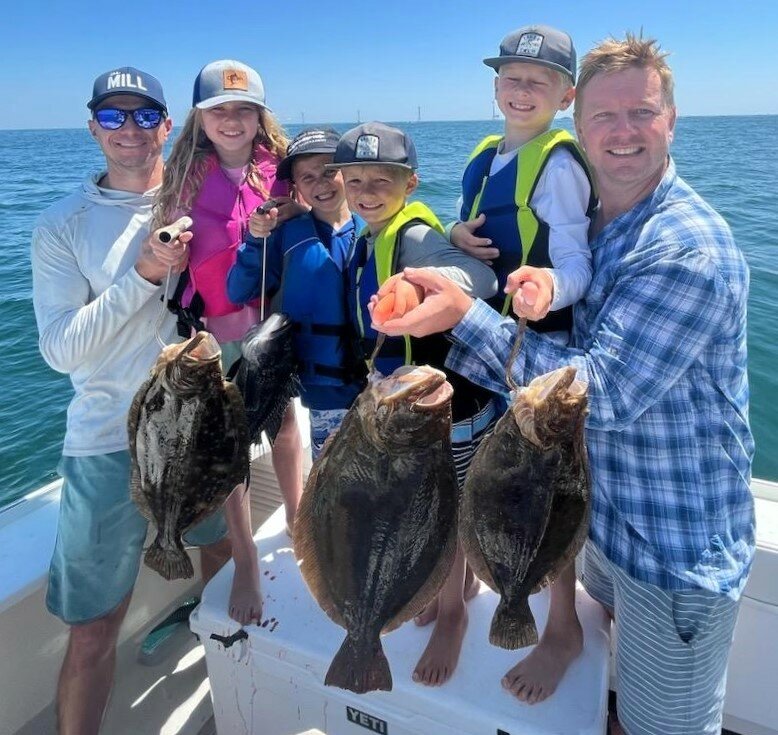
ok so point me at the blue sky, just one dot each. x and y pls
(327, 60)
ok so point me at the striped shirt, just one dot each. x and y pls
(660, 338)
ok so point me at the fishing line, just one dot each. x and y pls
(262, 287)
(379, 343)
(514, 354)
(167, 235)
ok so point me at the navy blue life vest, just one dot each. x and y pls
(312, 294)
(511, 224)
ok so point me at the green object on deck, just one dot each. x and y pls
(154, 648)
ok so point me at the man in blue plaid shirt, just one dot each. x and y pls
(660, 338)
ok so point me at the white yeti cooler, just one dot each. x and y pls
(269, 679)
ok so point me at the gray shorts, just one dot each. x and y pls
(671, 650)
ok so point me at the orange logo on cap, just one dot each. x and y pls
(236, 79)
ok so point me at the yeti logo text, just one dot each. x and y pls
(124, 81)
(367, 147)
(367, 721)
(529, 44)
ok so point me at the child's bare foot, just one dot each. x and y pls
(471, 589)
(245, 597)
(536, 677)
(428, 614)
(441, 655)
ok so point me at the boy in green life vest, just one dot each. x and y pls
(379, 164)
(527, 200)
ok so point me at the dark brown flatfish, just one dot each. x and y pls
(376, 529)
(267, 375)
(188, 444)
(525, 503)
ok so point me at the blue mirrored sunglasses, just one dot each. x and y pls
(112, 118)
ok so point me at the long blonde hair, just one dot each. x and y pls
(188, 163)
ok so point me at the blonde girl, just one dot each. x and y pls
(223, 165)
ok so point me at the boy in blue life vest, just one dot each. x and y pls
(305, 262)
(378, 163)
(527, 201)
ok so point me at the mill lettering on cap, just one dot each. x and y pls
(124, 80)
(367, 721)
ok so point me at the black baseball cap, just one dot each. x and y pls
(376, 142)
(127, 80)
(308, 141)
(537, 44)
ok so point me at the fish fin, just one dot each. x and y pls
(136, 494)
(467, 535)
(273, 422)
(513, 628)
(353, 670)
(431, 586)
(305, 546)
(440, 572)
(133, 419)
(569, 554)
(171, 563)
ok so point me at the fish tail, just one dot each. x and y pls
(513, 627)
(171, 563)
(359, 671)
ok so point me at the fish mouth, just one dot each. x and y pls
(201, 348)
(556, 385)
(423, 387)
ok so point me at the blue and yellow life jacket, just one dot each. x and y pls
(511, 223)
(366, 274)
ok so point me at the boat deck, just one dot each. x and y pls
(171, 697)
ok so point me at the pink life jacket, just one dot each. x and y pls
(220, 213)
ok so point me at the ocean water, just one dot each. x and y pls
(719, 156)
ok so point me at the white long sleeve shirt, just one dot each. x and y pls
(561, 199)
(95, 314)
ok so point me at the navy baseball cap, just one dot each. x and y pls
(376, 142)
(127, 80)
(306, 142)
(536, 44)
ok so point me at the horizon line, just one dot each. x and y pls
(408, 122)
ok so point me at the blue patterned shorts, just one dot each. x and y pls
(323, 423)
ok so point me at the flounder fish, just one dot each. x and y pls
(525, 503)
(189, 447)
(375, 533)
(267, 377)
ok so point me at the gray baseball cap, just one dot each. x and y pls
(375, 142)
(227, 80)
(537, 44)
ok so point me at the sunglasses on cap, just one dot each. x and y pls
(112, 118)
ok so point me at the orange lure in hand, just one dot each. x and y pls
(396, 298)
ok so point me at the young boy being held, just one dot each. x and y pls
(527, 195)
(527, 200)
(305, 260)
(379, 164)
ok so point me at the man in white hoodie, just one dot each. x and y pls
(97, 283)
